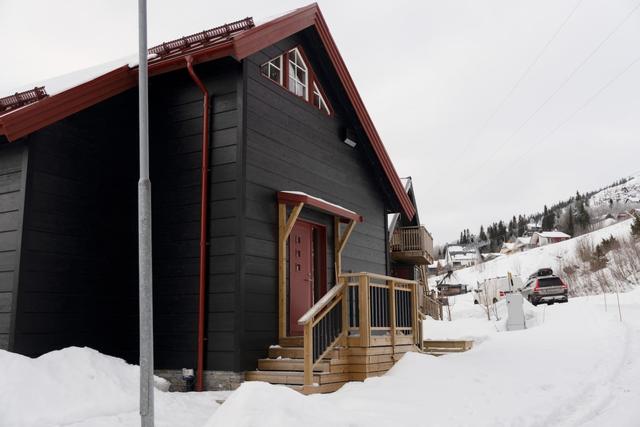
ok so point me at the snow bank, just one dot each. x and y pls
(580, 364)
(82, 387)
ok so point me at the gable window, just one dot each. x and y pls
(318, 100)
(298, 77)
(291, 71)
(273, 69)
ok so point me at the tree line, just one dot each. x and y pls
(570, 216)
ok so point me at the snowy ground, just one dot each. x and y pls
(576, 364)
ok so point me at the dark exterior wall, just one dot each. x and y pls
(78, 265)
(13, 160)
(290, 145)
(176, 135)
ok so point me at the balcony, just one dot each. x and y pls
(413, 245)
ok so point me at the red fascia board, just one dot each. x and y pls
(49, 110)
(31, 118)
(291, 198)
(263, 35)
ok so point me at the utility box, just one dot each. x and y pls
(515, 312)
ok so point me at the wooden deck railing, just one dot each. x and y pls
(363, 310)
(432, 306)
(412, 239)
(325, 326)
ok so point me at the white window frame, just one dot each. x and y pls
(323, 104)
(270, 64)
(293, 76)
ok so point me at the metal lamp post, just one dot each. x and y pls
(144, 230)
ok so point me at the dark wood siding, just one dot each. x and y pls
(176, 121)
(78, 265)
(12, 176)
(290, 145)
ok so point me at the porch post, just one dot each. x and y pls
(285, 225)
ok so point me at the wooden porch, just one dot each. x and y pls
(359, 329)
(413, 245)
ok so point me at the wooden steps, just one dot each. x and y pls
(442, 347)
(285, 365)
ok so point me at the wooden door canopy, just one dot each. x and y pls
(297, 200)
(296, 197)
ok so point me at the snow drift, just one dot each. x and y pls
(83, 386)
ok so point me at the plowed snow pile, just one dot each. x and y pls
(82, 388)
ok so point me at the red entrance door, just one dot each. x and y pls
(301, 277)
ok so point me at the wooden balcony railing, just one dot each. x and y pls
(412, 244)
(363, 310)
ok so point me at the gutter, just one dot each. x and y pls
(204, 202)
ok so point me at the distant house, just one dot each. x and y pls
(520, 244)
(437, 267)
(621, 216)
(546, 237)
(459, 256)
(532, 227)
(489, 256)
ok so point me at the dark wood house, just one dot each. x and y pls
(271, 190)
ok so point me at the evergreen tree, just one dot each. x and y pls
(522, 225)
(582, 216)
(482, 236)
(548, 219)
(569, 226)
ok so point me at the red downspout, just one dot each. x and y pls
(204, 195)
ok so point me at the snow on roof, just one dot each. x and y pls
(318, 199)
(554, 234)
(467, 256)
(455, 249)
(524, 240)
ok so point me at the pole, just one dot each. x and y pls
(144, 230)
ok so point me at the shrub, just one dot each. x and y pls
(635, 227)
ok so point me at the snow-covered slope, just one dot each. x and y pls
(558, 256)
(626, 193)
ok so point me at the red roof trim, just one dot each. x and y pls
(289, 198)
(35, 116)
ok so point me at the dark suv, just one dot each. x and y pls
(545, 287)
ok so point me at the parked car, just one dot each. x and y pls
(545, 287)
(493, 290)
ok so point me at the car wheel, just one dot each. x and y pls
(550, 302)
(495, 300)
(533, 303)
(475, 301)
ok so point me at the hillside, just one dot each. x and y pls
(627, 193)
(569, 260)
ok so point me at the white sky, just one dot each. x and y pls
(432, 74)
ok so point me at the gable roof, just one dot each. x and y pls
(239, 40)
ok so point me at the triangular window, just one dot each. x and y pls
(291, 71)
(273, 69)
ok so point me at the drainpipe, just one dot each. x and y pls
(204, 201)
